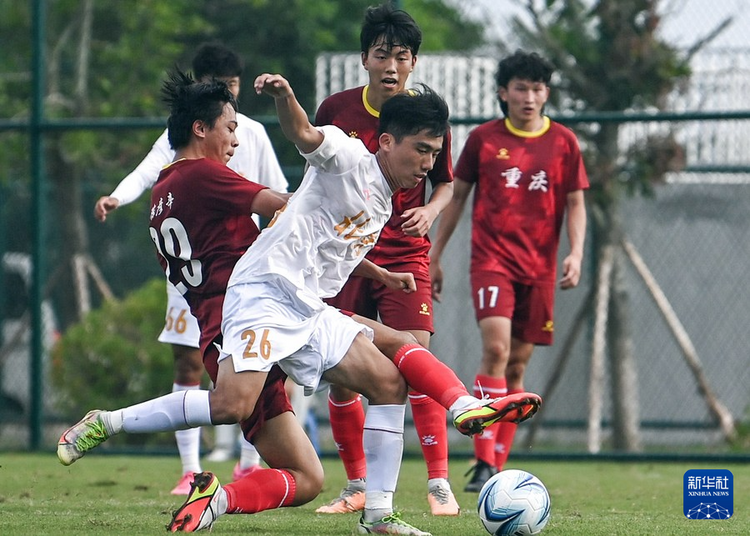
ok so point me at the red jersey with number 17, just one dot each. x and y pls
(349, 111)
(522, 181)
(201, 225)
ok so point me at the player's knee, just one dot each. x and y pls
(229, 410)
(389, 341)
(309, 484)
(389, 388)
(496, 352)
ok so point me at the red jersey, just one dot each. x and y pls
(201, 225)
(522, 182)
(349, 111)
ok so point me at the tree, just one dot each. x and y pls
(107, 58)
(610, 58)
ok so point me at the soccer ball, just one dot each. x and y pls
(514, 503)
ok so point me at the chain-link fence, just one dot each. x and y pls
(690, 236)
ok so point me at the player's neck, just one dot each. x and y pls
(385, 169)
(188, 153)
(532, 125)
(374, 98)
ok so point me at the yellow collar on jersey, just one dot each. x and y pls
(369, 108)
(366, 104)
(526, 134)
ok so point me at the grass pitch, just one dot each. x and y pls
(104, 494)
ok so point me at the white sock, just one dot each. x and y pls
(462, 404)
(225, 437)
(220, 502)
(249, 456)
(188, 441)
(383, 441)
(168, 413)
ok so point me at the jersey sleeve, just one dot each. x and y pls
(337, 153)
(323, 115)
(577, 178)
(442, 171)
(144, 176)
(467, 168)
(231, 192)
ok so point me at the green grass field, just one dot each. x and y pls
(130, 495)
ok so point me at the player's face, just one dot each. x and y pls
(525, 102)
(406, 163)
(221, 140)
(388, 68)
(232, 82)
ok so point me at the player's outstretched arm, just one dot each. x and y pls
(292, 117)
(104, 206)
(268, 202)
(139, 180)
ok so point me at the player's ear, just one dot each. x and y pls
(386, 141)
(199, 128)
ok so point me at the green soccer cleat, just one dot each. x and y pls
(199, 509)
(83, 436)
(391, 524)
(516, 407)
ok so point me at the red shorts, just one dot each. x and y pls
(397, 309)
(272, 402)
(529, 307)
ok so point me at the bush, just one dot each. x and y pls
(112, 358)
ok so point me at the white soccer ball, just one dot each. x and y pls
(514, 503)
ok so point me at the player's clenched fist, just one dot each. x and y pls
(272, 84)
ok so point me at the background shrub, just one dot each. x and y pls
(112, 359)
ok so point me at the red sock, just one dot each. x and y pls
(426, 374)
(430, 422)
(347, 423)
(484, 443)
(504, 438)
(263, 489)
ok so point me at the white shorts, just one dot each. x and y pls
(266, 323)
(180, 326)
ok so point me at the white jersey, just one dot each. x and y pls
(329, 224)
(253, 158)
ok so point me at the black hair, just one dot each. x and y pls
(524, 66)
(411, 112)
(216, 60)
(190, 101)
(390, 26)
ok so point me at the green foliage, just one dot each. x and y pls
(112, 358)
(116, 70)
